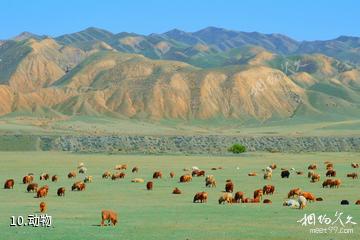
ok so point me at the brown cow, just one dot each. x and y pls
(309, 196)
(327, 183)
(172, 174)
(72, 174)
(357, 202)
(32, 187)
(55, 178)
(42, 192)
(229, 187)
(352, 175)
(258, 193)
(238, 196)
(252, 174)
(226, 198)
(79, 186)
(329, 166)
(355, 165)
(331, 173)
(210, 182)
(61, 192)
(201, 197)
(110, 216)
(135, 170)
(312, 167)
(315, 177)
(157, 175)
(121, 167)
(273, 166)
(42, 207)
(118, 176)
(200, 173)
(185, 178)
(28, 179)
(194, 172)
(106, 174)
(268, 189)
(9, 184)
(44, 176)
(176, 191)
(335, 183)
(149, 185)
(267, 201)
(294, 192)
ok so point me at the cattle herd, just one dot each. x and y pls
(296, 197)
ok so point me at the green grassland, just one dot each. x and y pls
(158, 214)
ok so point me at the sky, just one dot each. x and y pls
(301, 19)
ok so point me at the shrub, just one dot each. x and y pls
(237, 148)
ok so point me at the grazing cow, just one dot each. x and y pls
(319, 199)
(72, 174)
(335, 183)
(312, 167)
(273, 166)
(354, 165)
(61, 192)
(267, 201)
(176, 191)
(83, 170)
(258, 193)
(9, 184)
(200, 197)
(28, 179)
(229, 187)
(42, 192)
(210, 183)
(267, 175)
(344, 202)
(79, 186)
(149, 185)
(106, 174)
(137, 180)
(294, 192)
(238, 196)
(110, 216)
(200, 173)
(331, 173)
(172, 174)
(135, 170)
(309, 196)
(327, 183)
(315, 177)
(88, 179)
(55, 178)
(44, 176)
(185, 178)
(302, 202)
(352, 175)
(42, 207)
(226, 198)
(118, 176)
(194, 172)
(357, 202)
(121, 167)
(285, 174)
(252, 174)
(32, 187)
(157, 175)
(329, 166)
(268, 189)
(310, 173)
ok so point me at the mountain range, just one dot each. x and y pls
(213, 73)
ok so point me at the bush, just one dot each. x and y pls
(237, 148)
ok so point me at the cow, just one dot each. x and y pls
(309, 196)
(42, 192)
(335, 183)
(268, 189)
(117, 176)
(135, 170)
(44, 176)
(315, 177)
(79, 186)
(172, 174)
(176, 191)
(229, 187)
(157, 175)
(294, 192)
(72, 174)
(210, 182)
(42, 207)
(258, 193)
(200, 173)
(291, 203)
(238, 196)
(28, 179)
(357, 202)
(302, 202)
(252, 174)
(267, 201)
(310, 173)
(267, 175)
(226, 198)
(83, 170)
(32, 187)
(61, 192)
(55, 178)
(273, 166)
(9, 184)
(329, 166)
(200, 197)
(352, 175)
(121, 167)
(285, 174)
(194, 172)
(110, 216)
(137, 180)
(88, 179)
(149, 185)
(331, 173)
(106, 174)
(185, 178)
(327, 183)
(344, 202)
(312, 167)
(354, 165)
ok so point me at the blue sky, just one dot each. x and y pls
(302, 19)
